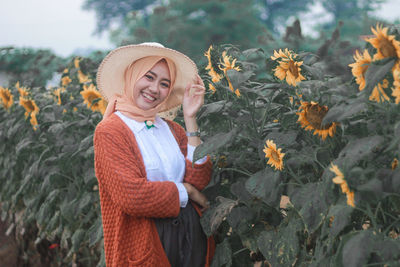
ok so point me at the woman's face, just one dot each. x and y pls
(153, 88)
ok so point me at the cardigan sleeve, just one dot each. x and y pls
(198, 175)
(117, 170)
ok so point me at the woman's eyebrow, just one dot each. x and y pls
(156, 76)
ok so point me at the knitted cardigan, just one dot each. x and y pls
(129, 202)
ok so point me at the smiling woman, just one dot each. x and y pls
(149, 185)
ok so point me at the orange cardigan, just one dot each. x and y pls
(129, 202)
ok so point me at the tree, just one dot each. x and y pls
(192, 26)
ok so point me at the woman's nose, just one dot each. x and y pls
(153, 88)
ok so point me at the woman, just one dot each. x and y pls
(144, 163)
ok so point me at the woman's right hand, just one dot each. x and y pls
(197, 196)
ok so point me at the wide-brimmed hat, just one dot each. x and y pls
(110, 75)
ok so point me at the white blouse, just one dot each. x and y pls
(161, 154)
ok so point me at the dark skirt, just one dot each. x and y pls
(183, 239)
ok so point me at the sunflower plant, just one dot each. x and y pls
(310, 174)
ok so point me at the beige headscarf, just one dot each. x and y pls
(126, 103)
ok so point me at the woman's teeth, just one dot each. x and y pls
(148, 97)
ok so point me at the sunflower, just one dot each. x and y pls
(211, 87)
(7, 99)
(57, 94)
(215, 77)
(395, 162)
(23, 91)
(288, 67)
(359, 68)
(65, 80)
(90, 94)
(82, 77)
(339, 179)
(31, 109)
(226, 65)
(396, 85)
(386, 45)
(311, 116)
(76, 62)
(275, 156)
(378, 94)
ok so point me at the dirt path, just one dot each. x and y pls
(8, 248)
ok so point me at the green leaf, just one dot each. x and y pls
(211, 108)
(343, 112)
(356, 251)
(357, 149)
(223, 255)
(77, 239)
(95, 232)
(214, 216)
(215, 142)
(341, 217)
(375, 73)
(238, 77)
(265, 185)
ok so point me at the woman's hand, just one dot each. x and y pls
(197, 196)
(193, 98)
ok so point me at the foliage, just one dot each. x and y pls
(33, 67)
(48, 187)
(342, 183)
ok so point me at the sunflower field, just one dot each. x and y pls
(305, 149)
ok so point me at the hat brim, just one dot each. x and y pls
(110, 74)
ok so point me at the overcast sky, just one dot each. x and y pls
(63, 26)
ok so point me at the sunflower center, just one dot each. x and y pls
(5, 96)
(274, 155)
(30, 105)
(386, 48)
(314, 116)
(293, 68)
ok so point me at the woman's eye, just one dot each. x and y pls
(149, 77)
(165, 85)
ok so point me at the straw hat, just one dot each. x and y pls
(110, 75)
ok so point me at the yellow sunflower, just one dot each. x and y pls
(226, 65)
(395, 162)
(76, 62)
(288, 68)
(359, 68)
(23, 91)
(311, 116)
(7, 99)
(90, 94)
(82, 77)
(386, 45)
(275, 156)
(339, 179)
(31, 109)
(57, 94)
(396, 85)
(215, 77)
(378, 94)
(211, 87)
(65, 80)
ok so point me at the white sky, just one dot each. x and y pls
(63, 26)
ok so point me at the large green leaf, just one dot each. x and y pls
(214, 143)
(212, 108)
(214, 216)
(356, 251)
(77, 239)
(376, 72)
(344, 111)
(341, 215)
(223, 255)
(357, 149)
(238, 77)
(265, 185)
